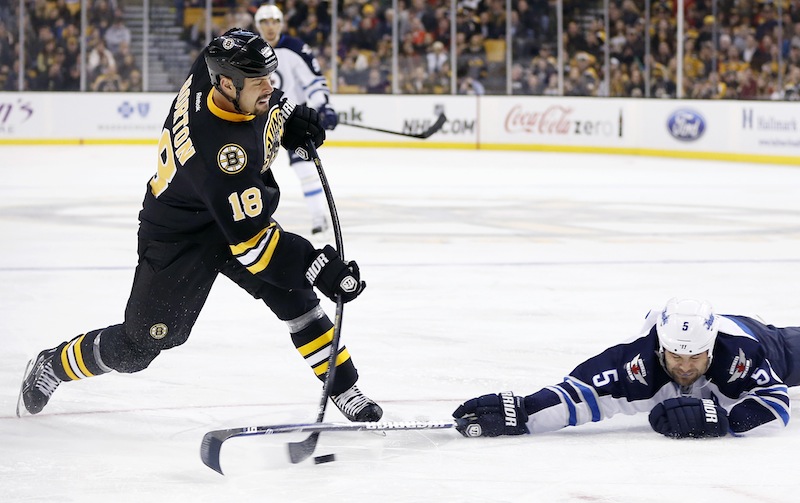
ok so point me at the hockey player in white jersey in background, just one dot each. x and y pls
(300, 79)
(697, 373)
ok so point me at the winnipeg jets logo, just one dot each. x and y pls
(740, 367)
(636, 370)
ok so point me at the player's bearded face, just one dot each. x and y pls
(686, 369)
(254, 97)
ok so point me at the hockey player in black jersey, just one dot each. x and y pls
(208, 210)
(697, 373)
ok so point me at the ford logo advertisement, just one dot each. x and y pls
(686, 125)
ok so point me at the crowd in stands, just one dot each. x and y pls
(732, 49)
(52, 47)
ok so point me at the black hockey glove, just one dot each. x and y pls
(687, 417)
(302, 123)
(329, 118)
(492, 415)
(332, 276)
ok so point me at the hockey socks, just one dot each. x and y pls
(79, 358)
(312, 335)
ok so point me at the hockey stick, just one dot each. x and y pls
(298, 451)
(212, 441)
(425, 134)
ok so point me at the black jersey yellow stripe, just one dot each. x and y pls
(256, 253)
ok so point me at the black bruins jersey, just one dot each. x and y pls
(213, 182)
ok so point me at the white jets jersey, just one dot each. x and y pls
(298, 74)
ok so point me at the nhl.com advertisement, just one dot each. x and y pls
(731, 130)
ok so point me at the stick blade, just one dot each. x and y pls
(299, 451)
(210, 450)
(435, 127)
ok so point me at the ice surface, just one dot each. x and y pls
(487, 271)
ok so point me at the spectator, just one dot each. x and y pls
(552, 86)
(117, 34)
(72, 78)
(101, 15)
(6, 45)
(750, 47)
(436, 57)
(367, 35)
(242, 18)
(635, 85)
(133, 82)
(493, 20)
(762, 54)
(417, 82)
(108, 81)
(126, 62)
(72, 52)
(376, 82)
(471, 86)
(574, 39)
(748, 87)
(467, 23)
(472, 62)
(100, 60)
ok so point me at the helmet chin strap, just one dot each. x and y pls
(234, 101)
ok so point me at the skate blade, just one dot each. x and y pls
(21, 410)
(320, 239)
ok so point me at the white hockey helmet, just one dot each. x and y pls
(268, 12)
(687, 327)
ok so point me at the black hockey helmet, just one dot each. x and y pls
(239, 54)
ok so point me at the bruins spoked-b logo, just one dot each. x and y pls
(231, 158)
(158, 331)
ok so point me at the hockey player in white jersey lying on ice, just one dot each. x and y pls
(697, 373)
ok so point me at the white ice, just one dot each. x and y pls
(486, 271)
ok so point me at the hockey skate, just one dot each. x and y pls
(319, 225)
(356, 406)
(39, 383)
(321, 232)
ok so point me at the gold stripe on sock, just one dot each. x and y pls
(79, 357)
(65, 364)
(343, 356)
(307, 349)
